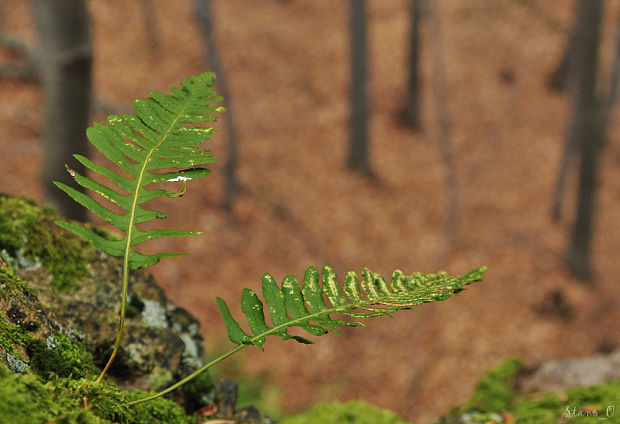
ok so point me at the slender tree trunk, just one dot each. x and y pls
(150, 25)
(558, 79)
(411, 109)
(358, 148)
(443, 125)
(588, 113)
(614, 82)
(65, 59)
(569, 157)
(204, 14)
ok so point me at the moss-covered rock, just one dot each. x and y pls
(352, 412)
(30, 240)
(59, 302)
(81, 287)
(496, 400)
(31, 336)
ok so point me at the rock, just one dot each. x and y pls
(225, 399)
(226, 392)
(560, 375)
(78, 287)
(22, 320)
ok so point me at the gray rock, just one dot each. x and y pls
(560, 375)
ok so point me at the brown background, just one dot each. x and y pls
(287, 64)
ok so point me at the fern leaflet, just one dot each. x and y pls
(153, 146)
(290, 305)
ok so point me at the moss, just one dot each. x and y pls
(494, 392)
(29, 238)
(61, 356)
(157, 411)
(353, 412)
(11, 336)
(580, 405)
(9, 283)
(28, 399)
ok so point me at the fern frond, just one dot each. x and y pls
(156, 145)
(290, 305)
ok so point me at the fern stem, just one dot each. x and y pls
(121, 321)
(191, 376)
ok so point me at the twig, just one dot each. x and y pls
(19, 71)
(15, 45)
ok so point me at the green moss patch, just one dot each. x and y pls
(494, 391)
(11, 336)
(9, 283)
(352, 412)
(28, 399)
(61, 356)
(29, 238)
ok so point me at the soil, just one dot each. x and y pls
(287, 64)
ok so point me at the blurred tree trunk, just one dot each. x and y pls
(204, 14)
(589, 134)
(150, 25)
(358, 148)
(558, 79)
(64, 58)
(614, 83)
(443, 126)
(411, 110)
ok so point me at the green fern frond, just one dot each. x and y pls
(290, 305)
(156, 145)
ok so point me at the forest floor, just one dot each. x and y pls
(287, 64)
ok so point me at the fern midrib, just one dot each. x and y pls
(134, 204)
(132, 215)
(309, 317)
